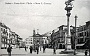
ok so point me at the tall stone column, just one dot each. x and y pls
(68, 38)
(68, 8)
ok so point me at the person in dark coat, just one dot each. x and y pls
(31, 48)
(25, 48)
(88, 45)
(86, 51)
(37, 49)
(9, 49)
(54, 50)
(44, 48)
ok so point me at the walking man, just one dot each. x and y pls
(9, 49)
(54, 50)
(89, 47)
(44, 48)
(25, 48)
(37, 49)
(86, 52)
(40, 47)
(31, 49)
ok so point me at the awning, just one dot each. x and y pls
(79, 44)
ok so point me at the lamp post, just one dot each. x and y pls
(52, 38)
(75, 35)
(68, 8)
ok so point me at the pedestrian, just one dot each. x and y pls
(9, 49)
(89, 51)
(34, 48)
(86, 51)
(25, 48)
(44, 48)
(54, 50)
(37, 49)
(40, 48)
(31, 48)
(89, 47)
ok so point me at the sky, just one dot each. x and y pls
(22, 16)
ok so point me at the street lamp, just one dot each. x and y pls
(68, 8)
(75, 35)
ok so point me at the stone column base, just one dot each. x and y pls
(67, 52)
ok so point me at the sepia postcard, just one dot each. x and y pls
(44, 27)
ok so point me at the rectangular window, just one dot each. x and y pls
(87, 34)
(1, 29)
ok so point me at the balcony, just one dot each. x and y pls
(4, 36)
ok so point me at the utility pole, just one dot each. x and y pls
(75, 35)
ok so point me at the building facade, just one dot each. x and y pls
(29, 41)
(58, 36)
(78, 38)
(8, 37)
(83, 35)
(37, 38)
(4, 35)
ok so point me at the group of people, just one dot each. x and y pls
(37, 48)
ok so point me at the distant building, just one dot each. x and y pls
(19, 41)
(48, 35)
(29, 41)
(45, 40)
(36, 39)
(22, 44)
